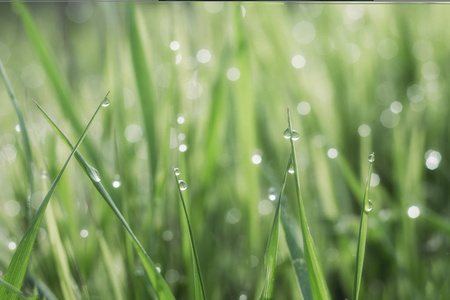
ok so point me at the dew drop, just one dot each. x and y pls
(295, 135)
(183, 185)
(176, 171)
(287, 133)
(291, 168)
(368, 206)
(116, 184)
(372, 157)
(106, 102)
(93, 173)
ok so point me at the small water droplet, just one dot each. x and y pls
(272, 196)
(93, 173)
(44, 174)
(368, 206)
(106, 102)
(291, 168)
(287, 133)
(176, 171)
(372, 157)
(295, 135)
(183, 185)
(18, 128)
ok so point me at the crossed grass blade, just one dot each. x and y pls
(17, 268)
(159, 285)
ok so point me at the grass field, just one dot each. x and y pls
(204, 87)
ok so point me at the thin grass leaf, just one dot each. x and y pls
(198, 279)
(366, 207)
(158, 283)
(292, 234)
(24, 132)
(12, 289)
(319, 286)
(270, 257)
(19, 263)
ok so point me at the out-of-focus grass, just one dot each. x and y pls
(357, 78)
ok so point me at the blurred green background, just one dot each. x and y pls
(204, 87)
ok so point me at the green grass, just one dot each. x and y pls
(125, 236)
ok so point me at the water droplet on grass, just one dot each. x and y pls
(295, 135)
(291, 168)
(368, 206)
(372, 157)
(116, 184)
(176, 171)
(93, 173)
(287, 133)
(183, 185)
(106, 102)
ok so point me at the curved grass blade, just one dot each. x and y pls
(198, 279)
(319, 286)
(366, 207)
(158, 283)
(270, 257)
(19, 263)
(26, 140)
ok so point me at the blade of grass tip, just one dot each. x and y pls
(366, 208)
(199, 286)
(270, 257)
(24, 133)
(158, 283)
(319, 286)
(18, 266)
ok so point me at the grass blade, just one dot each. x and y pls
(198, 279)
(24, 132)
(19, 263)
(270, 257)
(158, 283)
(366, 207)
(319, 286)
(292, 234)
(12, 289)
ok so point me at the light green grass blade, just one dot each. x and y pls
(270, 257)
(319, 286)
(24, 132)
(158, 283)
(292, 234)
(19, 263)
(198, 279)
(366, 207)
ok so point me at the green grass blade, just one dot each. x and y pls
(19, 263)
(270, 257)
(319, 286)
(366, 207)
(292, 234)
(24, 132)
(159, 284)
(12, 289)
(198, 279)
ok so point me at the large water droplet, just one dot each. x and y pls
(291, 168)
(183, 185)
(93, 173)
(295, 135)
(372, 157)
(176, 171)
(287, 133)
(368, 206)
(106, 102)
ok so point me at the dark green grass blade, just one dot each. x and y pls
(159, 285)
(366, 207)
(24, 132)
(198, 279)
(18, 266)
(319, 286)
(12, 289)
(270, 257)
(292, 234)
